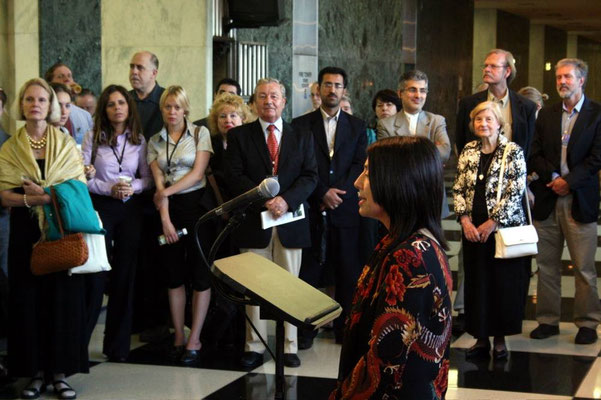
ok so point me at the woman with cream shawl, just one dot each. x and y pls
(46, 334)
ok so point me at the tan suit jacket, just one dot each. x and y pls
(432, 126)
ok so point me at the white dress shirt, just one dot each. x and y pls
(505, 106)
(330, 124)
(412, 118)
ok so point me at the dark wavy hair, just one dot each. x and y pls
(102, 123)
(387, 96)
(406, 179)
(49, 75)
(231, 82)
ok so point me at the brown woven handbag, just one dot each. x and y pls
(58, 255)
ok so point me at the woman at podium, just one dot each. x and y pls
(396, 341)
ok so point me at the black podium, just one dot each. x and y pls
(281, 297)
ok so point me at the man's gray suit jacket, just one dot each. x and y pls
(432, 126)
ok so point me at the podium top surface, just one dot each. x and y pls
(263, 280)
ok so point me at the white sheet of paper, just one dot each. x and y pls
(268, 221)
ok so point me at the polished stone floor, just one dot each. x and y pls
(554, 368)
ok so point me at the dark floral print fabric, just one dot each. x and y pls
(396, 343)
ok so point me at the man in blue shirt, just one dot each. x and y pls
(566, 158)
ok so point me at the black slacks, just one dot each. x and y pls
(345, 261)
(122, 222)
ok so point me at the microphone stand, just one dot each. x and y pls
(228, 293)
(234, 221)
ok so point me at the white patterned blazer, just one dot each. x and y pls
(508, 211)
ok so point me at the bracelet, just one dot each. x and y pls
(25, 201)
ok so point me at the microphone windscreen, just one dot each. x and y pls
(269, 187)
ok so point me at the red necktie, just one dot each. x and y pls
(272, 145)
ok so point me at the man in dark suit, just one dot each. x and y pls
(520, 113)
(226, 85)
(340, 149)
(151, 306)
(255, 151)
(565, 158)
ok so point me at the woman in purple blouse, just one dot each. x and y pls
(114, 153)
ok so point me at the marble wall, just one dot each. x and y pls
(511, 32)
(178, 32)
(370, 52)
(70, 32)
(279, 42)
(364, 38)
(444, 52)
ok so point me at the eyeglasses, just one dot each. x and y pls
(414, 90)
(330, 85)
(484, 66)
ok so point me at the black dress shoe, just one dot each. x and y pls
(500, 354)
(190, 357)
(251, 359)
(63, 390)
(544, 331)
(31, 391)
(305, 342)
(176, 352)
(586, 336)
(291, 360)
(117, 359)
(478, 351)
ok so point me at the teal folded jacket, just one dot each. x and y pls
(77, 211)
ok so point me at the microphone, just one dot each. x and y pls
(267, 189)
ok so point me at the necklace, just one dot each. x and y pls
(485, 165)
(120, 160)
(37, 144)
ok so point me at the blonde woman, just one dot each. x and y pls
(46, 330)
(228, 111)
(178, 156)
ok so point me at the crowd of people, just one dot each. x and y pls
(373, 195)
